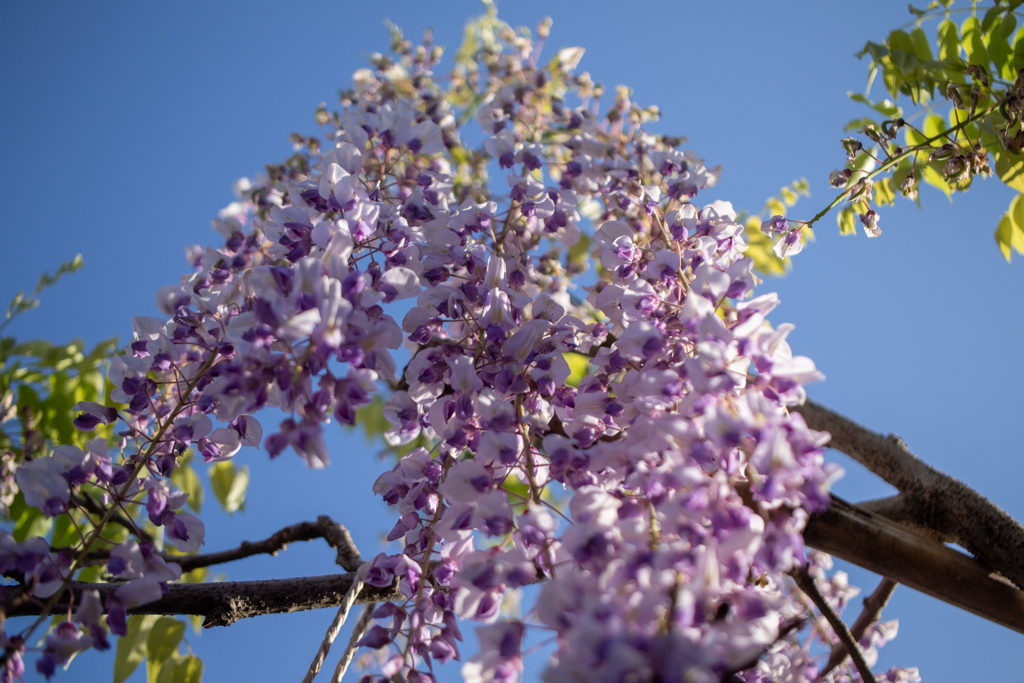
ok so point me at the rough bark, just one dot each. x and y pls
(852, 534)
(902, 543)
(224, 603)
(336, 535)
(936, 500)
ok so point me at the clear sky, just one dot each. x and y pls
(123, 126)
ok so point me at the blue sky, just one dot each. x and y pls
(123, 126)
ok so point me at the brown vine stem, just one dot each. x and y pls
(806, 583)
(872, 612)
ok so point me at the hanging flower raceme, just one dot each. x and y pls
(621, 438)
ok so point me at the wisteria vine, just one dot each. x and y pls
(615, 429)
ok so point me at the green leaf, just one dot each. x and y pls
(181, 669)
(999, 50)
(163, 639)
(1007, 26)
(990, 18)
(30, 521)
(1010, 169)
(933, 125)
(934, 177)
(1004, 237)
(922, 50)
(901, 51)
(877, 52)
(64, 532)
(578, 252)
(578, 366)
(131, 647)
(371, 417)
(847, 222)
(189, 671)
(885, 193)
(229, 485)
(886, 107)
(775, 207)
(949, 41)
(1016, 215)
(186, 479)
(974, 42)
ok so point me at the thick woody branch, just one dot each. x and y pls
(891, 550)
(938, 501)
(843, 530)
(901, 510)
(224, 603)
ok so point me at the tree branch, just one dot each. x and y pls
(224, 603)
(858, 536)
(900, 510)
(891, 550)
(872, 612)
(806, 583)
(939, 502)
(324, 527)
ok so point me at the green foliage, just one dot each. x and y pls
(229, 485)
(965, 79)
(157, 640)
(1010, 233)
(161, 645)
(579, 367)
(181, 669)
(21, 303)
(186, 479)
(131, 647)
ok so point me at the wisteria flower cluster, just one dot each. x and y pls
(595, 400)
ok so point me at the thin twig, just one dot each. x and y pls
(806, 583)
(86, 501)
(324, 527)
(871, 613)
(336, 535)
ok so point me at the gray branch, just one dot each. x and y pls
(224, 603)
(937, 501)
(858, 536)
(324, 527)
